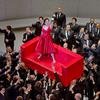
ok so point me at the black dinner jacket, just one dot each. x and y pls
(61, 20)
(37, 27)
(10, 36)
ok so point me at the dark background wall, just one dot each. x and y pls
(14, 9)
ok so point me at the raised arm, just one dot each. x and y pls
(2, 30)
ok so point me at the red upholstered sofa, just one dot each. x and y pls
(68, 65)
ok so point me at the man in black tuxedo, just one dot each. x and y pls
(90, 27)
(28, 35)
(74, 25)
(69, 36)
(60, 18)
(9, 37)
(79, 37)
(86, 43)
(97, 32)
(38, 26)
(57, 33)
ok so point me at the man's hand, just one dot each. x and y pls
(64, 40)
(7, 40)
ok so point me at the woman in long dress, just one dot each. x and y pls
(45, 43)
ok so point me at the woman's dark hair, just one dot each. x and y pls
(40, 17)
(74, 19)
(9, 28)
(45, 20)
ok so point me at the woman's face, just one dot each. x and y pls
(47, 22)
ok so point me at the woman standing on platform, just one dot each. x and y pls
(45, 43)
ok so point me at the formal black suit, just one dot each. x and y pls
(69, 36)
(86, 42)
(10, 37)
(38, 27)
(74, 27)
(57, 34)
(60, 18)
(97, 34)
(98, 55)
(78, 38)
(28, 36)
(91, 27)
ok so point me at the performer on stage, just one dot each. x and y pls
(45, 43)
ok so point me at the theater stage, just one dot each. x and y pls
(68, 65)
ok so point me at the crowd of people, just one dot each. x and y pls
(18, 82)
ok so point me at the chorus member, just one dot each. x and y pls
(9, 36)
(68, 36)
(28, 35)
(57, 32)
(60, 18)
(74, 25)
(97, 33)
(91, 26)
(2, 93)
(38, 26)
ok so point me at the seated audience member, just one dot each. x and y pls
(28, 35)
(38, 26)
